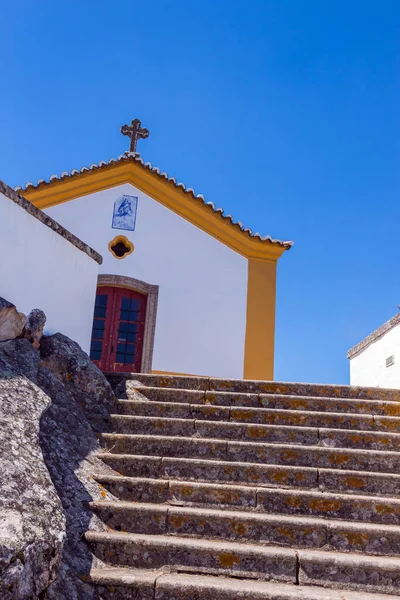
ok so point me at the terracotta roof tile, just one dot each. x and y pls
(147, 165)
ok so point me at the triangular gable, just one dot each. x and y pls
(130, 168)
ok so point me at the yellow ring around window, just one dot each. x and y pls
(124, 242)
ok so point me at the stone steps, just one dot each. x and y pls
(262, 416)
(343, 438)
(273, 501)
(191, 469)
(195, 555)
(245, 560)
(124, 584)
(255, 527)
(242, 489)
(246, 386)
(267, 453)
(357, 406)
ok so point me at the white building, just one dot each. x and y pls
(375, 361)
(182, 288)
(45, 266)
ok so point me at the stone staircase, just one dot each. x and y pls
(235, 490)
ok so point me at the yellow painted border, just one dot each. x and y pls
(124, 240)
(260, 320)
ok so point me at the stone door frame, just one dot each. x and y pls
(151, 291)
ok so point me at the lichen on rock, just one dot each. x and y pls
(52, 402)
(34, 327)
(32, 521)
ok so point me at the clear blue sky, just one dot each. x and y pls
(283, 112)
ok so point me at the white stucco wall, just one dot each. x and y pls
(203, 284)
(41, 269)
(369, 367)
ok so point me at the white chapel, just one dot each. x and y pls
(182, 288)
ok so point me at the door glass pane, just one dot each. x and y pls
(134, 304)
(127, 330)
(96, 346)
(125, 305)
(101, 300)
(100, 308)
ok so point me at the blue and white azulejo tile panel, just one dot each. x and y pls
(124, 215)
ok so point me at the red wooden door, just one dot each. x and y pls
(118, 329)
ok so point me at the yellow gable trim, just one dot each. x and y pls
(150, 183)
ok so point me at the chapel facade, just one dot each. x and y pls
(183, 288)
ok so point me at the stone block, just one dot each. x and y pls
(132, 465)
(140, 425)
(12, 322)
(120, 584)
(239, 472)
(135, 489)
(368, 574)
(257, 433)
(172, 381)
(359, 482)
(335, 506)
(132, 517)
(251, 527)
(222, 398)
(152, 445)
(365, 440)
(210, 412)
(155, 409)
(194, 493)
(165, 394)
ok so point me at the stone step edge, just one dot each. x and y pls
(265, 426)
(223, 546)
(217, 587)
(190, 406)
(228, 443)
(248, 385)
(203, 543)
(210, 462)
(202, 485)
(243, 516)
(142, 389)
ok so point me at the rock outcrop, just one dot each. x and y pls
(52, 401)
(81, 398)
(34, 326)
(12, 322)
(32, 521)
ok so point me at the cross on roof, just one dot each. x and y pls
(134, 131)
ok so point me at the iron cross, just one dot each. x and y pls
(135, 131)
